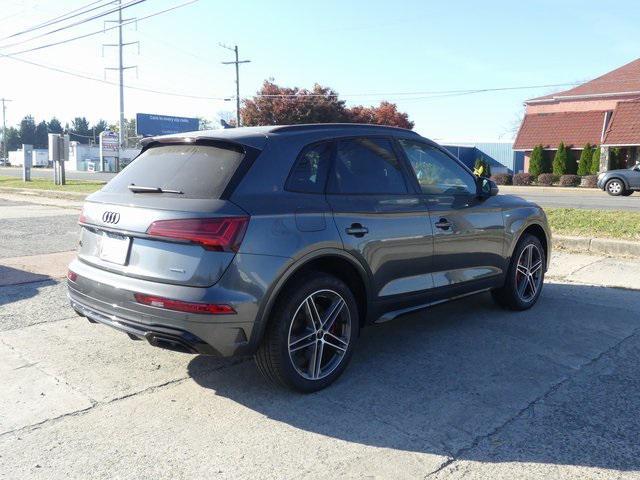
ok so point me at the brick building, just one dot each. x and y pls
(604, 112)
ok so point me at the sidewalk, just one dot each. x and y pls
(594, 270)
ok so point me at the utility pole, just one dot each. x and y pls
(237, 63)
(121, 71)
(4, 128)
(121, 68)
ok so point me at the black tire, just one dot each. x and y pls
(283, 368)
(615, 187)
(627, 193)
(510, 296)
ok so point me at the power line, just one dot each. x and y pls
(86, 35)
(107, 82)
(79, 22)
(61, 18)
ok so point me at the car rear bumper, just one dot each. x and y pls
(108, 298)
(158, 336)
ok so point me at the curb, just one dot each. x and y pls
(601, 246)
(546, 190)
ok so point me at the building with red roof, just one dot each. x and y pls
(603, 112)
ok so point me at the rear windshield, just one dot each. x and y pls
(199, 171)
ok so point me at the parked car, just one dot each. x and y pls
(622, 182)
(284, 241)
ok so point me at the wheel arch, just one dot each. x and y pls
(616, 177)
(539, 231)
(332, 261)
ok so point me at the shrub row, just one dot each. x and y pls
(502, 179)
(544, 179)
(564, 161)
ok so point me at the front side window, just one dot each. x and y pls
(309, 174)
(437, 173)
(367, 166)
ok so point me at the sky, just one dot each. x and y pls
(368, 51)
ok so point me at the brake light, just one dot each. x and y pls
(82, 218)
(189, 307)
(222, 234)
(71, 275)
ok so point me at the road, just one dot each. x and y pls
(48, 173)
(463, 390)
(570, 198)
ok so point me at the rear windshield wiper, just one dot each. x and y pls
(141, 189)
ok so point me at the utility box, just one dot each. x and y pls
(58, 154)
(27, 151)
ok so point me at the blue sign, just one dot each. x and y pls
(149, 125)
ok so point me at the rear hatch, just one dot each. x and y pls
(165, 218)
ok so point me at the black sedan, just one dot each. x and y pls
(620, 182)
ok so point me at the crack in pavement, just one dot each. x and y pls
(552, 389)
(23, 327)
(96, 404)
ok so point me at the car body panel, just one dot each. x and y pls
(150, 258)
(398, 247)
(472, 248)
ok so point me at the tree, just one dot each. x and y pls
(41, 136)
(54, 126)
(13, 139)
(27, 130)
(99, 127)
(275, 105)
(536, 161)
(204, 124)
(80, 131)
(561, 160)
(572, 161)
(584, 165)
(595, 161)
(482, 167)
(385, 114)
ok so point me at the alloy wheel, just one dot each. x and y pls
(614, 187)
(319, 334)
(529, 273)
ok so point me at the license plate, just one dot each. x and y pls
(113, 248)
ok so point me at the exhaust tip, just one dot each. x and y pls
(167, 343)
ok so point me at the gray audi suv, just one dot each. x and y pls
(283, 242)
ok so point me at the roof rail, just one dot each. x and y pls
(337, 126)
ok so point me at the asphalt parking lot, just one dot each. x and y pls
(463, 390)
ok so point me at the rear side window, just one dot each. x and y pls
(199, 171)
(309, 174)
(367, 166)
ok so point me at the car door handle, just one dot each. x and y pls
(443, 224)
(357, 230)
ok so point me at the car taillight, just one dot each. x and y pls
(71, 275)
(189, 307)
(223, 234)
(82, 218)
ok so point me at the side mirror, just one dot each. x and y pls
(487, 188)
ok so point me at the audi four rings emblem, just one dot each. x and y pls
(110, 217)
